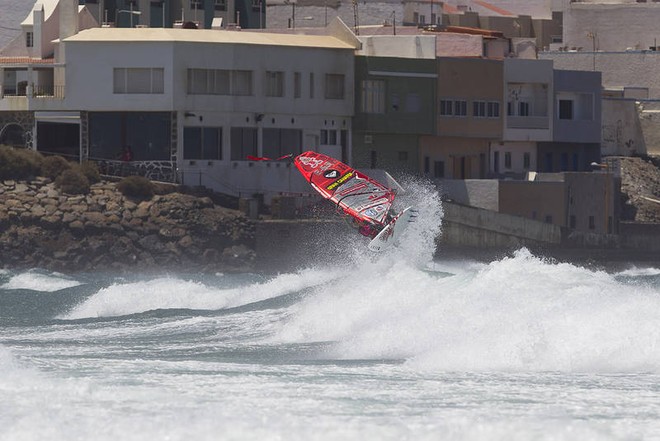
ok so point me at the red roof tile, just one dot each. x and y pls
(26, 60)
(494, 8)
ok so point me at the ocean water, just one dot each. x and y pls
(393, 347)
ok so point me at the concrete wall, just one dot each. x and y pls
(479, 193)
(616, 26)
(619, 69)
(623, 134)
(467, 226)
(540, 201)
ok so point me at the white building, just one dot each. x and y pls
(194, 104)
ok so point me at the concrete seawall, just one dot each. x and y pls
(284, 245)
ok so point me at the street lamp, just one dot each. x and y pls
(131, 12)
(606, 167)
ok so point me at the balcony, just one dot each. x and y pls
(23, 90)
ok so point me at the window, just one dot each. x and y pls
(592, 223)
(374, 159)
(507, 160)
(311, 85)
(29, 39)
(373, 96)
(571, 221)
(257, 4)
(202, 143)
(413, 103)
(296, 85)
(279, 142)
(220, 5)
(496, 162)
(548, 218)
(479, 109)
(439, 169)
(334, 86)
(328, 137)
(138, 80)
(427, 165)
(446, 107)
(196, 4)
(219, 82)
(493, 109)
(565, 109)
(460, 108)
(523, 108)
(274, 83)
(243, 143)
(526, 160)
(509, 108)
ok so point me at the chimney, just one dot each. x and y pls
(68, 18)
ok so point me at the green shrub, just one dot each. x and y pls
(91, 171)
(19, 164)
(72, 181)
(53, 166)
(136, 187)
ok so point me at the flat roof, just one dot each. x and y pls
(206, 36)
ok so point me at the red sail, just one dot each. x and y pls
(355, 193)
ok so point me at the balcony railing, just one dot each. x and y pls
(34, 91)
(48, 91)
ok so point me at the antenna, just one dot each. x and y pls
(355, 17)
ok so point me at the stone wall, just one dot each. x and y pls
(45, 228)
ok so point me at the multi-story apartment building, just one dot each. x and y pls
(170, 13)
(396, 84)
(192, 104)
(617, 38)
(469, 119)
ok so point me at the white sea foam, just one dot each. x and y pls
(36, 281)
(173, 293)
(517, 314)
(635, 271)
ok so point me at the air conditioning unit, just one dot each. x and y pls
(368, 139)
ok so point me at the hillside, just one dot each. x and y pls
(640, 188)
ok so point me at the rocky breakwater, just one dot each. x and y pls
(42, 227)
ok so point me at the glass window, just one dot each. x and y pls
(274, 84)
(334, 86)
(565, 109)
(138, 80)
(220, 5)
(29, 39)
(243, 143)
(280, 142)
(311, 85)
(493, 109)
(192, 143)
(523, 108)
(241, 82)
(507, 160)
(296, 85)
(460, 108)
(526, 160)
(446, 107)
(373, 96)
(479, 109)
(439, 169)
(147, 133)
